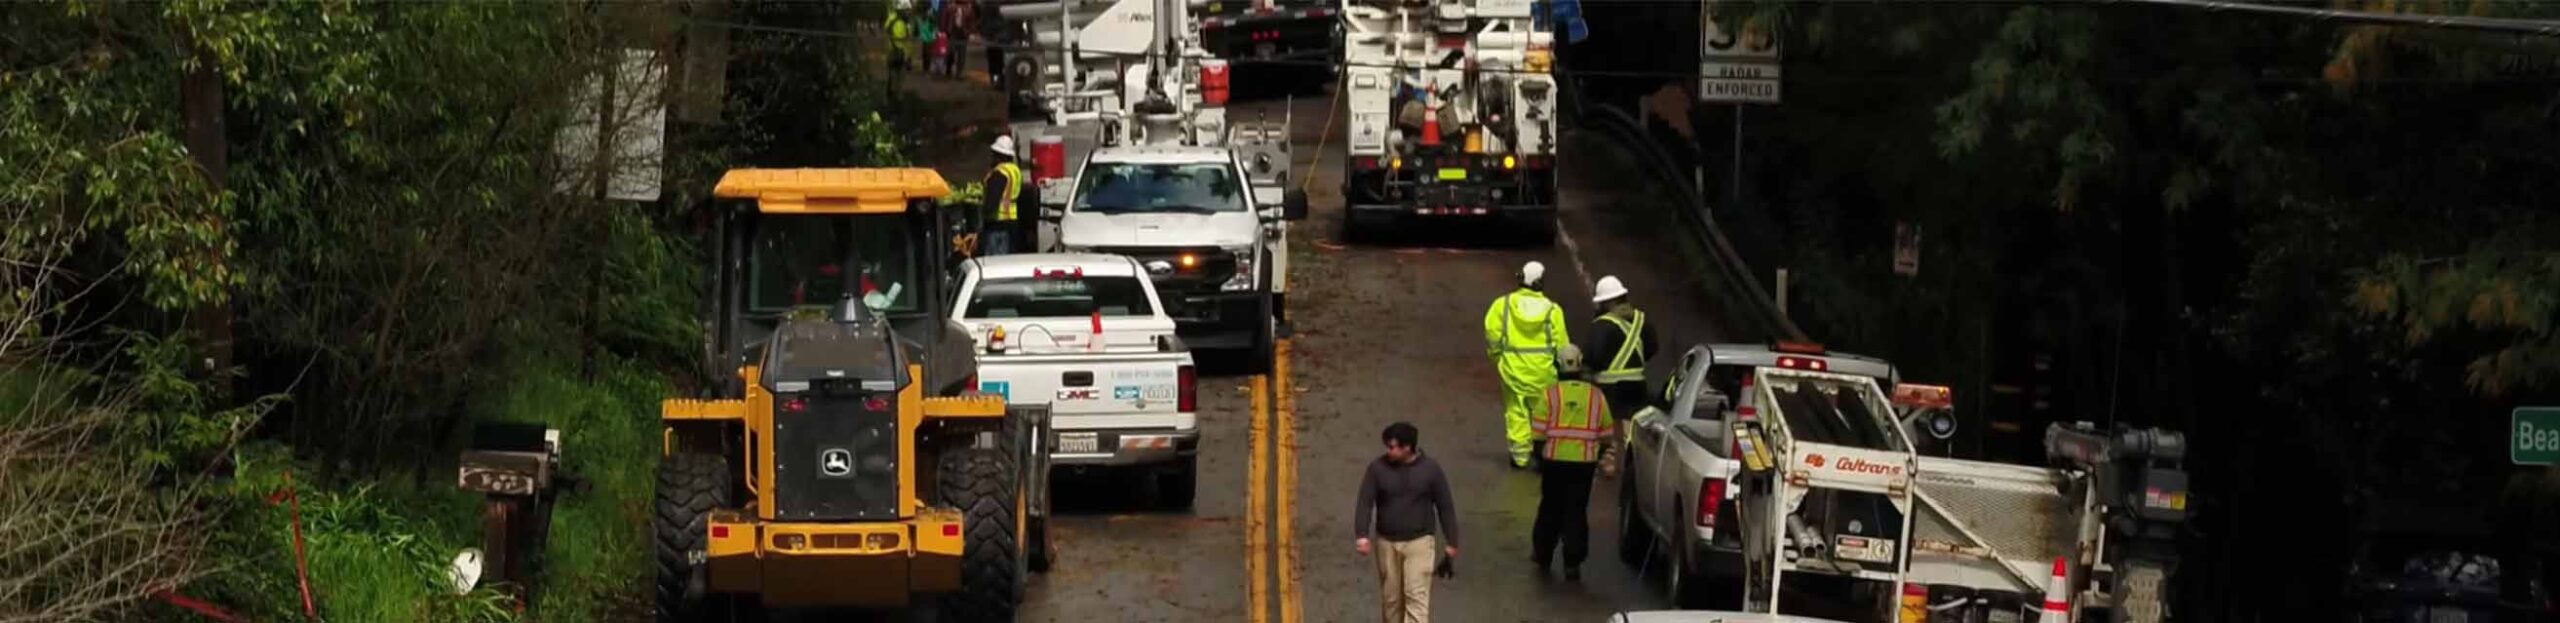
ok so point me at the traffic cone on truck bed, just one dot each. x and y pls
(2057, 596)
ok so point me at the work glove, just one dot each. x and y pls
(1448, 568)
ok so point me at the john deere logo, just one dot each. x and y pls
(835, 463)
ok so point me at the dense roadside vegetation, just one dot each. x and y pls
(247, 248)
(2326, 250)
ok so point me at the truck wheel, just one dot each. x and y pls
(1178, 484)
(690, 485)
(979, 482)
(1633, 540)
(1688, 590)
(1263, 341)
(1039, 552)
(1542, 233)
(1043, 554)
(1355, 230)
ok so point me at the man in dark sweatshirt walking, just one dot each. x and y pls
(1407, 491)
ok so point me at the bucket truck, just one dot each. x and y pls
(1133, 154)
(1451, 109)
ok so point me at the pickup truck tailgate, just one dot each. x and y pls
(1130, 386)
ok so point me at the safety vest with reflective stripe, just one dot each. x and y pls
(1574, 419)
(1508, 331)
(1005, 210)
(1628, 364)
(898, 37)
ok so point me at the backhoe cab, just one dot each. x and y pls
(849, 464)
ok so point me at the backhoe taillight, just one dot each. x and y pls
(1189, 382)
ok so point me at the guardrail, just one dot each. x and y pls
(1759, 311)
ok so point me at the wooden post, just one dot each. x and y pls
(200, 96)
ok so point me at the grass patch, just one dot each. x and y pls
(378, 547)
(598, 564)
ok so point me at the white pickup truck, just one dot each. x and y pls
(1677, 495)
(1086, 335)
(1979, 540)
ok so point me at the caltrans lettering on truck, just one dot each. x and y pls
(1857, 465)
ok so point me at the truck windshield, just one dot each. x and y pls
(1055, 297)
(801, 260)
(1123, 188)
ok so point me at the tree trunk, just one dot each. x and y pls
(200, 95)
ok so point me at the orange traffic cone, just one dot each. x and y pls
(2057, 596)
(1430, 126)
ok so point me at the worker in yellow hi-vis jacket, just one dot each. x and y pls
(1522, 331)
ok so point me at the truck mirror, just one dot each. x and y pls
(1293, 206)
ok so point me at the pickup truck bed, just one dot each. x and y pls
(1086, 335)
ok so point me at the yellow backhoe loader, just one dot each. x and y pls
(849, 463)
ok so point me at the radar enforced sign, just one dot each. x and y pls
(1736, 63)
(2537, 436)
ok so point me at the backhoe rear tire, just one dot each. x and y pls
(981, 483)
(690, 485)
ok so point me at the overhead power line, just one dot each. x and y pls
(2510, 25)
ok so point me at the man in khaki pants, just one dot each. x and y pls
(1408, 492)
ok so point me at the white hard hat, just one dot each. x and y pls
(1003, 145)
(1568, 358)
(1608, 290)
(1532, 272)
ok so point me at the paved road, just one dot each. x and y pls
(1383, 334)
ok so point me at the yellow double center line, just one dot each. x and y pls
(1269, 561)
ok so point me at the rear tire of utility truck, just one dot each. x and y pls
(1633, 539)
(980, 482)
(1690, 589)
(1178, 484)
(690, 485)
(1542, 233)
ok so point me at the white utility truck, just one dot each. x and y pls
(1982, 538)
(1450, 109)
(1676, 496)
(1134, 155)
(1086, 336)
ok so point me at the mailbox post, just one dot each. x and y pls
(516, 469)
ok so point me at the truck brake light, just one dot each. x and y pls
(1072, 272)
(1365, 163)
(1188, 382)
(1804, 363)
(1710, 499)
(1801, 348)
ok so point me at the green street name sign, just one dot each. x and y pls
(2536, 431)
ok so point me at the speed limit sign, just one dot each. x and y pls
(1736, 62)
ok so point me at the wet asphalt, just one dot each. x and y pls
(1385, 332)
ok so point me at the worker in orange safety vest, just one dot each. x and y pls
(1575, 422)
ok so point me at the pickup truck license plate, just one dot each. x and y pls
(1265, 50)
(1864, 549)
(1453, 175)
(1078, 443)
